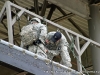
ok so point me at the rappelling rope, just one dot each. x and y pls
(71, 47)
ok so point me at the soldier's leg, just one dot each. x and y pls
(52, 53)
(66, 60)
(32, 48)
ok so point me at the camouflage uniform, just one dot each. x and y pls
(41, 32)
(58, 48)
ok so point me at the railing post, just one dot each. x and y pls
(10, 31)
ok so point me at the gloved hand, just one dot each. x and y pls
(37, 42)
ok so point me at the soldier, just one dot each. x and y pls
(37, 31)
(57, 44)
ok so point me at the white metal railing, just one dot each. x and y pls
(31, 62)
(10, 22)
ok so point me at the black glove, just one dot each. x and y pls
(37, 42)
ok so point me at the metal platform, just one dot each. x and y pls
(30, 62)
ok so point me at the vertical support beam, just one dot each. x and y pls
(51, 11)
(79, 56)
(79, 63)
(36, 6)
(10, 31)
(94, 31)
(44, 7)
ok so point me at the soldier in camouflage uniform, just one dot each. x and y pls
(57, 44)
(40, 30)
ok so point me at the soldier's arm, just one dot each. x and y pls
(43, 33)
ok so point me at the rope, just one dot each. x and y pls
(18, 18)
(52, 71)
(72, 50)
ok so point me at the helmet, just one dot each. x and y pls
(36, 19)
